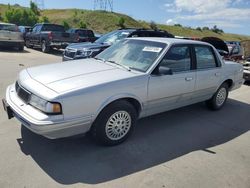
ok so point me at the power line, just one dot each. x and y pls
(103, 5)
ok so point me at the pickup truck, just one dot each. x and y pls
(47, 36)
(132, 79)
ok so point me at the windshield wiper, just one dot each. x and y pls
(121, 65)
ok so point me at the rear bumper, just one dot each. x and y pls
(39, 123)
(11, 43)
(58, 44)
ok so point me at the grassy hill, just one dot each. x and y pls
(102, 22)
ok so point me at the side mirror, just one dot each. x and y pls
(162, 70)
(30, 30)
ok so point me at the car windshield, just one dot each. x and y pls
(53, 28)
(8, 27)
(134, 54)
(113, 37)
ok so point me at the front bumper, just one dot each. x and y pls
(50, 126)
(246, 75)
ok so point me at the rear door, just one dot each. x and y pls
(208, 72)
(167, 92)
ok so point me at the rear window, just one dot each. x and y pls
(8, 27)
(85, 33)
(53, 28)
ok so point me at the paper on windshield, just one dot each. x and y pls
(151, 49)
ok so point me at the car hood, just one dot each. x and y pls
(87, 45)
(217, 43)
(71, 75)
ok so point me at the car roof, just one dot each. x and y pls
(6, 23)
(169, 41)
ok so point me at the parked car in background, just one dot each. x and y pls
(245, 44)
(235, 52)
(47, 36)
(24, 30)
(86, 50)
(134, 78)
(10, 36)
(85, 35)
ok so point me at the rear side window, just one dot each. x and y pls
(57, 28)
(205, 57)
(8, 27)
(177, 59)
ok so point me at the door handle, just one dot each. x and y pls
(217, 74)
(188, 78)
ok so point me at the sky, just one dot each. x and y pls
(233, 16)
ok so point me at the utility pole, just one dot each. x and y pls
(40, 4)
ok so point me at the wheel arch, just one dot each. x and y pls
(133, 100)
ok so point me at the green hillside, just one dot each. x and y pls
(102, 22)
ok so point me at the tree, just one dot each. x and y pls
(205, 28)
(198, 28)
(20, 16)
(121, 22)
(216, 29)
(1, 18)
(44, 19)
(65, 25)
(82, 25)
(34, 8)
(153, 25)
(178, 25)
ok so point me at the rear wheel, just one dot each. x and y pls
(27, 44)
(114, 124)
(219, 98)
(45, 47)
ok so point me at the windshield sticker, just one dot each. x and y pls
(151, 49)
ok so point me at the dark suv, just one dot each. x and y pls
(86, 50)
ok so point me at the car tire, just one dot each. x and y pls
(219, 98)
(27, 44)
(45, 47)
(114, 124)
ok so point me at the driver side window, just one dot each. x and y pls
(177, 59)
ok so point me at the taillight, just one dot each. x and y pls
(50, 36)
(16, 29)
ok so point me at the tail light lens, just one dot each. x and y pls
(50, 36)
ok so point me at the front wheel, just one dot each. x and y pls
(115, 123)
(219, 98)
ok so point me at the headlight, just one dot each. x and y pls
(85, 52)
(45, 106)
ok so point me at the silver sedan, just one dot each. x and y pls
(132, 79)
